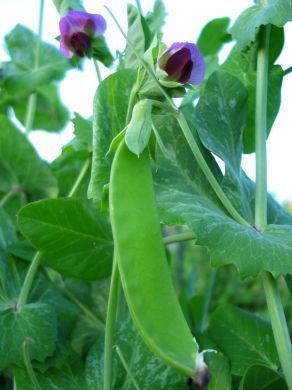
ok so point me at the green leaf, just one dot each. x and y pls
(82, 132)
(276, 12)
(17, 83)
(101, 52)
(262, 378)
(24, 169)
(21, 43)
(244, 338)
(139, 36)
(185, 197)
(156, 18)
(7, 229)
(109, 118)
(36, 321)
(213, 36)
(139, 129)
(71, 239)
(63, 6)
(51, 114)
(241, 65)
(220, 119)
(219, 367)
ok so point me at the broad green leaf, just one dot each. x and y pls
(213, 36)
(276, 12)
(184, 197)
(220, 119)
(82, 132)
(51, 114)
(138, 36)
(139, 129)
(71, 239)
(36, 321)
(109, 118)
(244, 338)
(7, 229)
(262, 378)
(21, 248)
(156, 18)
(10, 281)
(22, 166)
(63, 6)
(18, 83)
(240, 64)
(219, 367)
(21, 43)
(101, 52)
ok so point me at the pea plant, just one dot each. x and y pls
(136, 259)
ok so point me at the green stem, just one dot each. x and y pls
(179, 237)
(274, 303)
(110, 326)
(126, 367)
(77, 184)
(32, 101)
(207, 171)
(207, 299)
(29, 277)
(27, 362)
(287, 71)
(139, 7)
(10, 194)
(97, 71)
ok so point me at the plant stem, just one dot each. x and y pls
(207, 299)
(32, 101)
(10, 194)
(110, 326)
(207, 171)
(29, 277)
(179, 237)
(139, 7)
(97, 71)
(77, 184)
(126, 367)
(27, 362)
(274, 303)
(287, 71)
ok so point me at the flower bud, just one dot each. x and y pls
(183, 63)
(78, 30)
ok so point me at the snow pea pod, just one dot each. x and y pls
(143, 264)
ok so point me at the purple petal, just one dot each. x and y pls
(65, 27)
(198, 71)
(64, 48)
(81, 21)
(176, 62)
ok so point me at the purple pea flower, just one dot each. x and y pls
(183, 63)
(78, 29)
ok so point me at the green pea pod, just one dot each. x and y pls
(143, 264)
